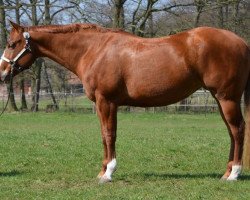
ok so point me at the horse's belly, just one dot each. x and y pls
(158, 92)
(157, 100)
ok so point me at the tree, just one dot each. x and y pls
(36, 85)
(50, 90)
(12, 105)
(47, 21)
(118, 19)
(2, 25)
(23, 98)
(200, 5)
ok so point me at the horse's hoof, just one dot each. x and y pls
(232, 178)
(104, 179)
(99, 176)
(224, 178)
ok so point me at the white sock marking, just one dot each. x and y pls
(111, 167)
(236, 170)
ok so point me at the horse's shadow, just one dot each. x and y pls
(215, 176)
(153, 175)
(10, 173)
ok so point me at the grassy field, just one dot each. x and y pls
(160, 156)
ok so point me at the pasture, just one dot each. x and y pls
(160, 156)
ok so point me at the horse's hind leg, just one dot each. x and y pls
(232, 116)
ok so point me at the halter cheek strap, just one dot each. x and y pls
(13, 62)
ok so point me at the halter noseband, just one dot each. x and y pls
(13, 62)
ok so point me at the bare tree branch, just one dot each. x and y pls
(60, 10)
(171, 7)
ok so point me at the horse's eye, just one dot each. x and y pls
(12, 45)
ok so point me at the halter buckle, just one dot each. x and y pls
(26, 35)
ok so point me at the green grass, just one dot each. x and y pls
(160, 156)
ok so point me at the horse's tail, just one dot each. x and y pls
(246, 147)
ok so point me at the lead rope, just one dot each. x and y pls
(5, 107)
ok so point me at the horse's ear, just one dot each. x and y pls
(16, 27)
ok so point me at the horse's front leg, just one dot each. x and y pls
(107, 112)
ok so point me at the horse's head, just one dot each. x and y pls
(17, 55)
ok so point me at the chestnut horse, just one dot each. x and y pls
(118, 68)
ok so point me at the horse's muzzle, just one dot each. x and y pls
(5, 76)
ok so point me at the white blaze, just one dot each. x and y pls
(0, 66)
(4, 73)
(1, 58)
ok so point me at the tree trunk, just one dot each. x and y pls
(2, 26)
(151, 26)
(50, 87)
(221, 15)
(199, 4)
(38, 63)
(23, 98)
(12, 105)
(47, 18)
(236, 15)
(146, 15)
(47, 21)
(118, 18)
(22, 90)
(134, 23)
(35, 98)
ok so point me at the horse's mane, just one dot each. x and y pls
(71, 28)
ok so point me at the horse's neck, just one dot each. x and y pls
(65, 49)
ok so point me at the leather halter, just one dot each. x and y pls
(13, 62)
